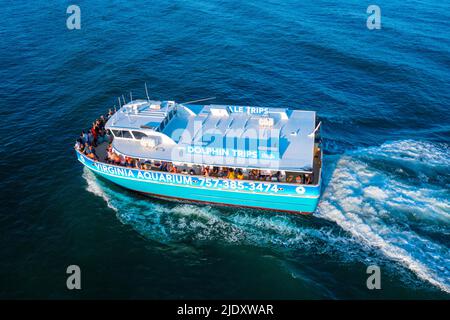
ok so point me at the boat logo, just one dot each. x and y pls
(82, 159)
(300, 190)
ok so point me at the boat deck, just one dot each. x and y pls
(100, 150)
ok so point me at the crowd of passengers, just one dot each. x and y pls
(94, 136)
(97, 134)
(206, 171)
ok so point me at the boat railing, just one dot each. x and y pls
(145, 167)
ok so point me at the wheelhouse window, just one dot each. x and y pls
(139, 135)
(127, 134)
(122, 134)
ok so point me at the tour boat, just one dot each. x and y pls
(275, 154)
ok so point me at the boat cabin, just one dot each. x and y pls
(276, 141)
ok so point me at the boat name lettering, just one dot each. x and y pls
(212, 151)
(248, 110)
(144, 175)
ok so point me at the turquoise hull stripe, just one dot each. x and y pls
(265, 195)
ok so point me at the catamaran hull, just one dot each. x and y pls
(258, 194)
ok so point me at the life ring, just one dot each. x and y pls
(300, 190)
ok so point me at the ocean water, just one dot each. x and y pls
(383, 96)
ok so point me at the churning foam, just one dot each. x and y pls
(378, 209)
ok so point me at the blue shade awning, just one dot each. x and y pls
(152, 124)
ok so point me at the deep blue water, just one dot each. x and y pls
(383, 96)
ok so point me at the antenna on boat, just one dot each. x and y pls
(193, 101)
(114, 120)
(124, 102)
(146, 91)
(131, 96)
(317, 128)
(120, 104)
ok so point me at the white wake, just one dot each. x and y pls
(378, 210)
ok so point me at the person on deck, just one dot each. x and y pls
(102, 122)
(276, 177)
(86, 148)
(116, 159)
(231, 174)
(164, 166)
(90, 153)
(129, 161)
(308, 178)
(110, 113)
(94, 133)
(147, 165)
(109, 155)
(157, 165)
(85, 136)
(78, 144)
(90, 138)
